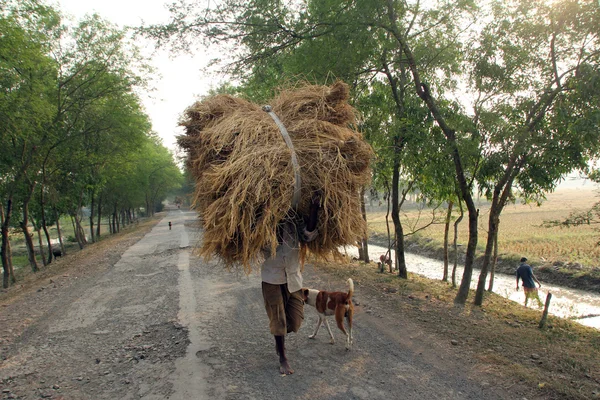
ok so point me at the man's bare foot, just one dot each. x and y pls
(284, 368)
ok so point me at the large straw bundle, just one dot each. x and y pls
(245, 177)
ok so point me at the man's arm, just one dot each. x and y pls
(313, 217)
(310, 232)
(517, 279)
(536, 279)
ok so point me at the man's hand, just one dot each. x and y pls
(517, 288)
(316, 198)
(313, 218)
(539, 285)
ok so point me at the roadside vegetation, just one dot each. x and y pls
(20, 259)
(563, 255)
(559, 361)
(73, 133)
(504, 107)
(77, 260)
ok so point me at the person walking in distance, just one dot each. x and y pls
(525, 273)
(282, 280)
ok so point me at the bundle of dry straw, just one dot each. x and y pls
(245, 177)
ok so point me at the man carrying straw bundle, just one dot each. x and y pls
(268, 178)
(282, 281)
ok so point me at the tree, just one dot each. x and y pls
(536, 69)
(276, 41)
(67, 111)
(26, 78)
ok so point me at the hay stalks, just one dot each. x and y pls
(245, 180)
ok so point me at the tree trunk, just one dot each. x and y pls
(387, 217)
(28, 241)
(99, 216)
(422, 90)
(47, 235)
(79, 232)
(11, 267)
(465, 284)
(502, 190)
(501, 193)
(494, 259)
(44, 224)
(38, 229)
(114, 219)
(364, 241)
(74, 228)
(396, 261)
(398, 230)
(455, 242)
(81, 240)
(5, 250)
(446, 234)
(60, 238)
(489, 247)
(48, 241)
(92, 233)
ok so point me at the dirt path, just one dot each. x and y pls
(161, 324)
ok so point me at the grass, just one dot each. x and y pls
(560, 361)
(19, 251)
(92, 254)
(521, 231)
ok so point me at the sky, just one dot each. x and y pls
(179, 81)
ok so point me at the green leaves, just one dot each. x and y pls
(69, 115)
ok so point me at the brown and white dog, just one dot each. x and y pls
(332, 303)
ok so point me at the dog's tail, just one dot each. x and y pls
(350, 284)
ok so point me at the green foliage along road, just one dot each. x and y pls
(73, 133)
(456, 96)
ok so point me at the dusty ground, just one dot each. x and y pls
(138, 316)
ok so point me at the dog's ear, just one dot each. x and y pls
(305, 293)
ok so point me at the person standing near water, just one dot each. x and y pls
(525, 273)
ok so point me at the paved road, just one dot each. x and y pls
(162, 324)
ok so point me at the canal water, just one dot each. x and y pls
(578, 305)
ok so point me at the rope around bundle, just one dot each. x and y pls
(286, 137)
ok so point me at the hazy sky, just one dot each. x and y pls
(180, 81)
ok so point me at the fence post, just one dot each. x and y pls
(545, 314)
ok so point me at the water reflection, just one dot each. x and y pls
(581, 306)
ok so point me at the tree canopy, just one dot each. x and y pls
(500, 94)
(71, 125)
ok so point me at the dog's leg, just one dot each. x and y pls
(329, 329)
(349, 319)
(340, 311)
(317, 328)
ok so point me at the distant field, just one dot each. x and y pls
(521, 230)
